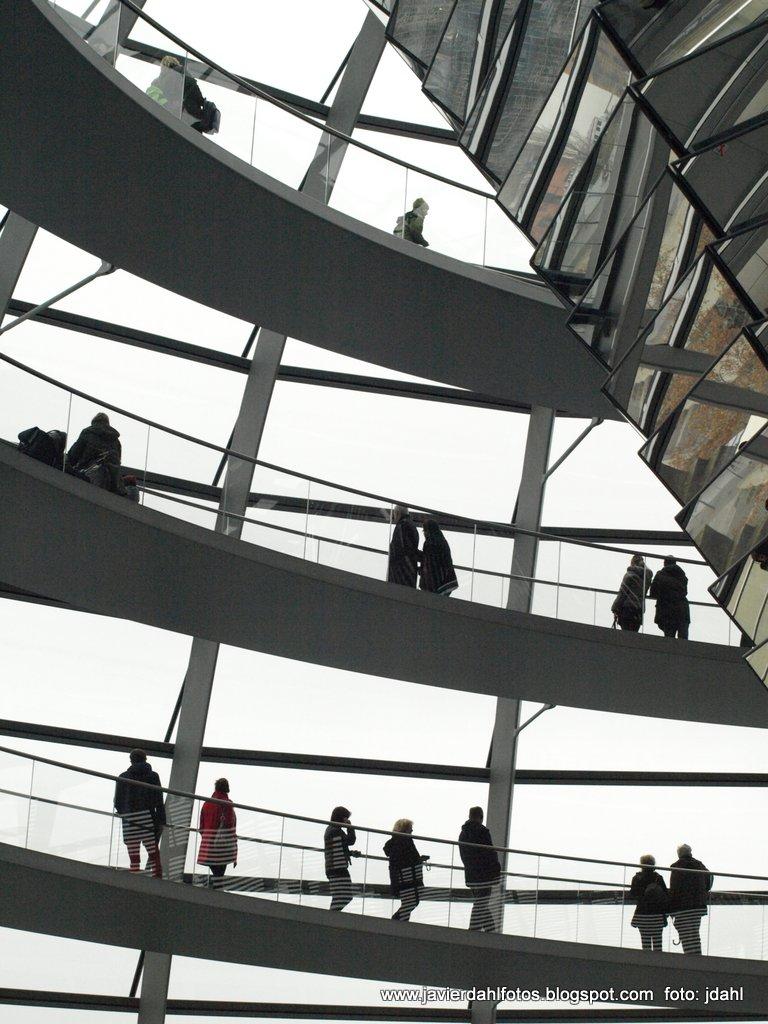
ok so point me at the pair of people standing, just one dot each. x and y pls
(432, 565)
(668, 588)
(685, 900)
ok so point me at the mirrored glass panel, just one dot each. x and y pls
(758, 662)
(657, 249)
(562, 138)
(623, 167)
(724, 409)
(530, 59)
(729, 518)
(451, 73)
(416, 27)
(691, 331)
(743, 593)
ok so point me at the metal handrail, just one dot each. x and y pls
(363, 828)
(505, 529)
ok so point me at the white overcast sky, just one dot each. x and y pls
(69, 669)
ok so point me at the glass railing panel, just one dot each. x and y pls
(713, 91)
(283, 145)
(729, 517)
(371, 189)
(520, 886)
(99, 27)
(16, 782)
(218, 111)
(667, 234)
(724, 409)
(691, 331)
(580, 902)
(30, 402)
(572, 121)
(71, 815)
(347, 531)
(625, 164)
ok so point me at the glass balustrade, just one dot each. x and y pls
(328, 524)
(295, 149)
(68, 812)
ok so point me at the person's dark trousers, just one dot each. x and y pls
(631, 625)
(681, 634)
(216, 875)
(341, 890)
(409, 900)
(687, 923)
(651, 932)
(482, 917)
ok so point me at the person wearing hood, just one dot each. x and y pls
(339, 836)
(44, 446)
(437, 574)
(411, 226)
(95, 456)
(649, 892)
(670, 591)
(688, 897)
(218, 833)
(139, 803)
(482, 873)
(403, 550)
(405, 868)
(629, 605)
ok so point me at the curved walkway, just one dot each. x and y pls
(62, 537)
(92, 159)
(98, 904)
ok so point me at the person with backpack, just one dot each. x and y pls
(482, 873)
(689, 885)
(339, 837)
(218, 834)
(139, 803)
(437, 574)
(95, 456)
(670, 591)
(46, 447)
(648, 891)
(411, 226)
(176, 89)
(629, 604)
(405, 868)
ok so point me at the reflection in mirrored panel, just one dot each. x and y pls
(526, 69)
(657, 35)
(724, 409)
(691, 331)
(416, 27)
(623, 167)
(729, 518)
(743, 593)
(457, 61)
(561, 140)
(714, 90)
(655, 252)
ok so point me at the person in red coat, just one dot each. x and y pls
(218, 834)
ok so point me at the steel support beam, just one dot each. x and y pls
(506, 726)
(16, 240)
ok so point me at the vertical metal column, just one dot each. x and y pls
(198, 682)
(503, 756)
(16, 240)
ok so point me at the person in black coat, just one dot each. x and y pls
(649, 892)
(97, 448)
(142, 811)
(482, 873)
(437, 574)
(339, 837)
(46, 447)
(629, 605)
(403, 550)
(688, 897)
(405, 868)
(670, 591)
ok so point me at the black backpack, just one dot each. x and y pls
(38, 445)
(210, 120)
(656, 898)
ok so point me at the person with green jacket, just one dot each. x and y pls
(411, 226)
